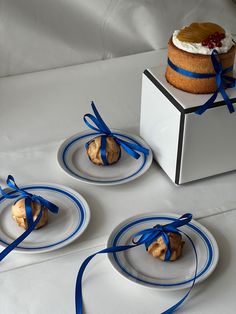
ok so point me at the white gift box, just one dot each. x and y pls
(186, 145)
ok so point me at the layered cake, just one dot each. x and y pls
(191, 48)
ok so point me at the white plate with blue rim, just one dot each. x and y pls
(62, 228)
(73, 159)
(142, 268)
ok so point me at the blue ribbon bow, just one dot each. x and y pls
(102, 129)
(145, 237)
(19, 194)
(222, 81)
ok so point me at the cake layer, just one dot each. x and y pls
(197, 63)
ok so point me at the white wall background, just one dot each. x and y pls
(42, 34)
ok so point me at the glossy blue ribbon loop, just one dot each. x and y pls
(18, 193)
(144, 237)
(132, 148)
(222, 81)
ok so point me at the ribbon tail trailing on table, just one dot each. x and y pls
(144, 237)
(222, 81)
(133, 149)
(19, 194)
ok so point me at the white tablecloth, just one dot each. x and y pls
(38, 111)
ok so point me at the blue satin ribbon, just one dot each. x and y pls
(222, 81)
(19, 194)
(133, 149)
(144, 237)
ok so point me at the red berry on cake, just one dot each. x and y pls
(222, 36)
(211, 45)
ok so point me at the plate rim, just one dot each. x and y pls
(147, 165)
(79, 232)
(171, 215)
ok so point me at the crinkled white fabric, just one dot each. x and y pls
(37, 35)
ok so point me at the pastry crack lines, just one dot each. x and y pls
(105, 149)
(35, 207)
(147, 237)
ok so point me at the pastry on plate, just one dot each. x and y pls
(19, 214)
(113, 151)
(158, 248)
(190, 48)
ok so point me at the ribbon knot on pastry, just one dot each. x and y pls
(19, 193)
(148, 236)
(132, 148)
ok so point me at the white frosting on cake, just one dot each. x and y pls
(227, 43)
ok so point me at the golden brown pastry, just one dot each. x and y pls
(198, 63)
(158, 248)
(112, 151)
(190, 49)
(19, 214)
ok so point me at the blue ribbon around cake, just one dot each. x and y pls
(19, 193)
(223, 81)
(132, 148)
(143, 237)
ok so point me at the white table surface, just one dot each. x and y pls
(38, 111)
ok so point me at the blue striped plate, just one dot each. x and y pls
(62, 228)
(73, 159)
(140, 267)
